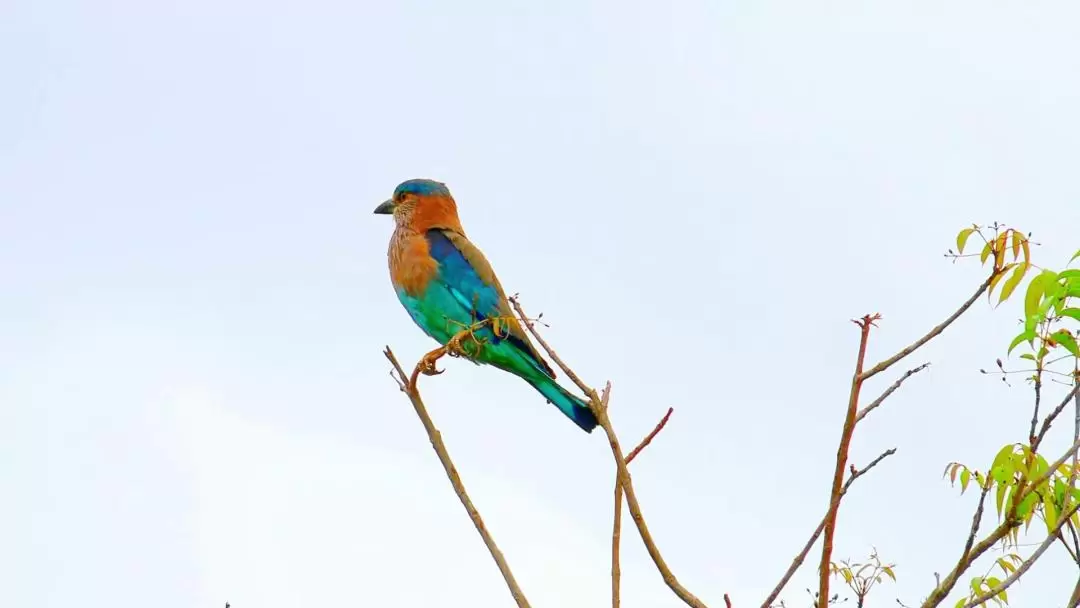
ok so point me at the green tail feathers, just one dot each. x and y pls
(574, 408)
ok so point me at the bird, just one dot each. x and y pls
(446, 285)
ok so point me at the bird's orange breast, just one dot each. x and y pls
(411, 266)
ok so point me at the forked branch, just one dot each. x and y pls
(597, 406)
(616, 532)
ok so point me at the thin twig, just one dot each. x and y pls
(632, 503)
(455, 480)
(933, 333)
(864, 324)
(795, 563)
(1035, 413)
(889, 391)
(547, 348)
(648, 438)
(1075, 392)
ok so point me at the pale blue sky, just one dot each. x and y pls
(194, 406)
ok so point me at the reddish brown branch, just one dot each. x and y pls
(795, 563)
(933, 333)
(598, 409)
(451, 472)
(648, 438)
(864, 324)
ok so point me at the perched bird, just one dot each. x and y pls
(447, 285)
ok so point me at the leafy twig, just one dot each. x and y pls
(1012, 578)
(451, 472)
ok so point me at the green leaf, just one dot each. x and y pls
(1073, 313)
(1050, 515)
(1026, 507)
(1035, 291)
(889, 571)
(1017, 238)
(987, 250)
(1072, 274)
(1000, 496)
(1075, 255)
(961, 239)
(1028, 356)
(1023, 337)
(997, 279)
(1063, 338)
(1014, 280)
(960, 603)
(965, 478)
(1004, 455)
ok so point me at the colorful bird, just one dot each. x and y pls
(447, 285)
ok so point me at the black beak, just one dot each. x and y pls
(386, 208)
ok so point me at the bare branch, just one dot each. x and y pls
(1074, 393)
(889, 391)
(1035, 411)
(795, 563)
(864, 324)
(455, 480)
(648, 438)
(598, 409)
(933, 333)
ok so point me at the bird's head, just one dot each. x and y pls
(422, 204)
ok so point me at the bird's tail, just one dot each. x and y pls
(574, 408)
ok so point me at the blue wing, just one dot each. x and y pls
(476, 295)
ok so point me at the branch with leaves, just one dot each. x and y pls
(1021, 484)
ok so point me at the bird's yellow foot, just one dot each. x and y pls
(427, 364)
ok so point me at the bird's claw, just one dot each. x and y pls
(427, 365)
(453, 346)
